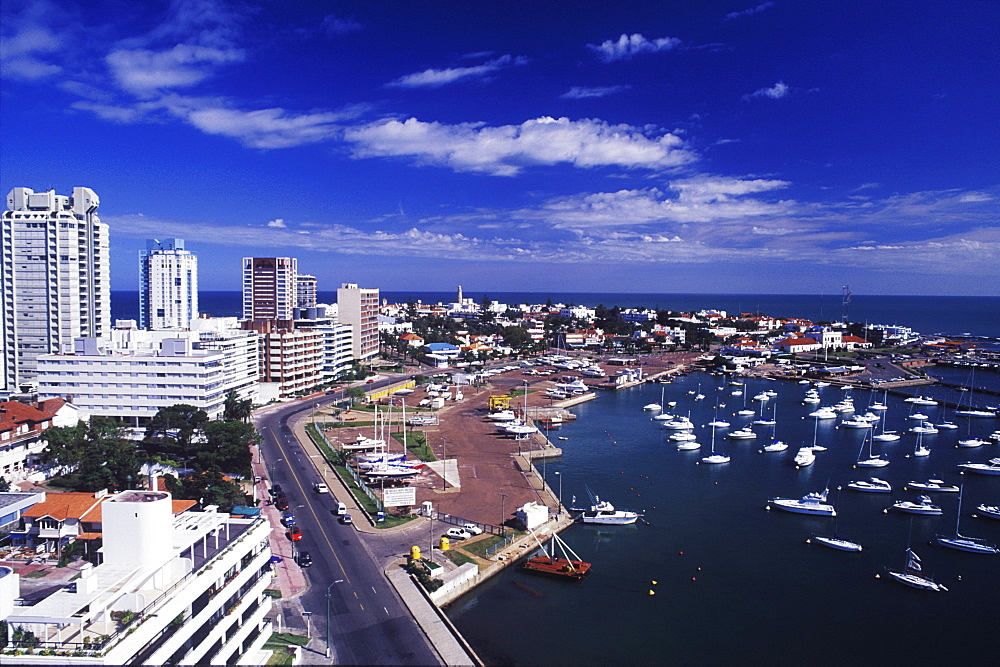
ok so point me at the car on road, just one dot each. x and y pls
(346, 519)
(276, 490)
(295, 534)
(303, 559)
(288, 519)
(320, 487)
(281, 504)
(341, 509)
(457, 534)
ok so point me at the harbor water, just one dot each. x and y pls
(734, 581)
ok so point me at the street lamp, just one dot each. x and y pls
(560, 491)
(306, 615)
(444, 476)
(270, 474)
(329, 648)
(503, 513)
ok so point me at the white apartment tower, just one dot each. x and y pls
(305, 291)
(54, 276)
(168, 285)
(358, 307)
(269, 289)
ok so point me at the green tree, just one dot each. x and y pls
(98, 451)
(517, 337)
(172, 429)
(207, 488)
(236, 409)
(486, 315)
(227, 447)
(355, 393)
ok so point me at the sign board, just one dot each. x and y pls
(399, 497)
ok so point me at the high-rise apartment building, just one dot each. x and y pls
(168, 285)
(305, 291)
(358, 307)
(54, 276)
(269, 288)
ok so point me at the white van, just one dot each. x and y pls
(341, 509)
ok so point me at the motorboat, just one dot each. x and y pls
(682, 436)
(742, 434)
(856, 423)
(502, 416)
(775, 446)
(937, 485)
(990, 511)
(518, 429)
(821, 384)
(804, 457)
(811, 503)
(972, 442)
(991, 468)
(823, 413)
(878, 406)
(923, 505)
(604, 513)
(873, 485)
(678, 424)
(949, 426)
(919, 416)
(923, 400)
(652, 406)
(663, 416)
(846, 405)
(886, 436)
(924, 428)
(976, 545)
(912, 575)
(762, 396)
(688, 445)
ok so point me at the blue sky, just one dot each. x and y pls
(771, 147)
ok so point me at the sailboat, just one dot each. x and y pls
(775, 445)
(972, 411)
(716, 421)
(884, 436)
(745, 412)
(873, 460)
(976, 545)
(920, 449)
(836, 541)
(913, 575)
(655, 407)
(713, 457)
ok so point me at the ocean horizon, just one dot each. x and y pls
(956, 315)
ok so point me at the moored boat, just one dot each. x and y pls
(811, 503)
(913, 576)
(873, 485)
(923, 505)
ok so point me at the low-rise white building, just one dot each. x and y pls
(135, 373)
(180, 590)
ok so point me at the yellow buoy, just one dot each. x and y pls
(654, 582)
(652, 592)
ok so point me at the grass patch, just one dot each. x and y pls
(36, 574)
(416, 442)
(279, 655)
(283, 646)
(478, 548)
(459, 558)
(273, 593)
(288, 639)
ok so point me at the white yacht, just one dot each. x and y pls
(972, 442)
(682, 436)
(742, 434)
(873, 485)
(678, 424)
(856, 423)
(932, 485)
(989, 511)
(775, 446)
(923, 428)
(811, 503)
(502, 416)
(823, 413)
(912, 575)
(923, 505)
(991, 468)
(804, 457)
(603, 512)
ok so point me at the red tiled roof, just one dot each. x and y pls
(62, 506)
(797, 341)
(853, 339)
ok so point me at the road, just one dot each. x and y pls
(369, 624)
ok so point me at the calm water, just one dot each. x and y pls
(762, 595)
(979, 316)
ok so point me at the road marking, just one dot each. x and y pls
(374, 591)
(356, 594)
(385, 610)
(362, 607)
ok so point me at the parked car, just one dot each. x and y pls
(458, 534)
(288, 519)
(320, 487)
(303, 559)
(472, 528)
(346, 519)
(276, 489)
(295, 534)
(281, 504)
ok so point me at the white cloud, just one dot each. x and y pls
(145, 73)
(775, 92)
(748, 12)
(21, 54)
(627, 46)
(432, 78)
(264, 128)
(333, 25)
(277, 223)
(504, 150)
(583, 92)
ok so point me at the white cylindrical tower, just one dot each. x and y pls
(138, 529)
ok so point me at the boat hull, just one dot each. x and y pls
(557, 567)
(795, 507)
(837, 543)
(967, 544)
(914, 581)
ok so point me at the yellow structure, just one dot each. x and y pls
(499, 402)
(415, 552)
(445, 544)
(389, 391)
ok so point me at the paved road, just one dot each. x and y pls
(369, 623)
